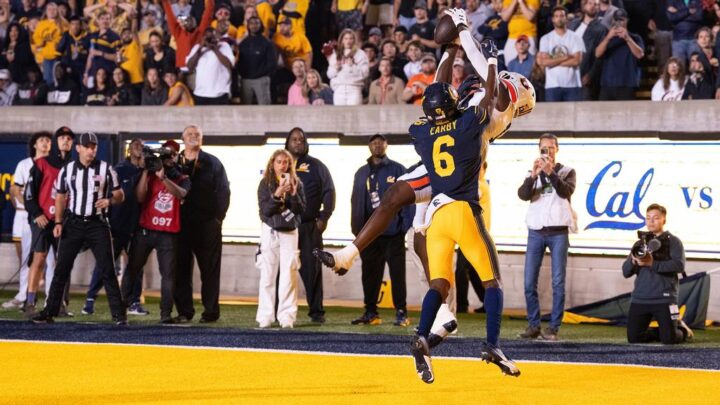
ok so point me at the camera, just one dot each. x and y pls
(646, 244)
(544, 152)
(154, 157)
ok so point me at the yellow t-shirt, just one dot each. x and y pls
(349, 5)
(291, 48)
(297, 10)
(518, 24)
(266, 15)
(46, 37)
(186, 99)
(132, 55)
(232, 31)
(241, 31)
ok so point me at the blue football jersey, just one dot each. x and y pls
(450, 150)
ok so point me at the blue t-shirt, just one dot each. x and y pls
(524, 68)
(450, 150)
(620, 68)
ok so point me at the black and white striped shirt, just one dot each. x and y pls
(86, 185)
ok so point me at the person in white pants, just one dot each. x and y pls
(281, 200)
(347, 70)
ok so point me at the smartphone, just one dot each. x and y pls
(544, 152)
(284, 177)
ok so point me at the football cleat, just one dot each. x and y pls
(328, 259)
(421, 354)
(436, 338)
(493, 354)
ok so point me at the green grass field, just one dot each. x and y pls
(242, 315)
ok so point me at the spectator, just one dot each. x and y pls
(560, 54)
(620, 51)
(100, 93)
(153, 91)
(242, 30)
(282, 200)
(66, 89)
(423, 30)
(16, 55)
(699, 85)
(33, 91)
(296, 10)
(524, 62)
(46, 37)
(495, 27)
(414, 54)
(181, 8)
(458, 72)
(213, 61)
(147, 8)
(655, 293)
(661, 29)
(349, 14)
(266, 14)
(606, 12)
(201, 234)
(179, 94)
(292, 45)
(544, 14)
(222, 15)
(149, 26)
(123, 221)
(315, 91)
(375, 36)
(258, 62)
(371, 51)
(400, 36)
(347, 70)
(592, 32)
(478, 11)
(388, 88)
(158, 55)
(404, 14)
(74, 46)
(537, 79)
(708, 54)
(104, 46)
(131, 57)
(117, 11)
(160, 194)
(295, 94)
(122, 92)
(416, 85)
(26, 9)
(549, 187)
(686, 17)
(520, 16)
(370, 185)
(380, 14)
(671, 85)
(319, 206)
(389, 49)
(186, 31)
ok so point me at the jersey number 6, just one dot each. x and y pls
(443, 160)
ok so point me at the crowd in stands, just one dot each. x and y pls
(343, 52)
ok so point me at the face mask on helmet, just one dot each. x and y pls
(440, 101)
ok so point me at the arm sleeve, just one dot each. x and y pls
(357, 202)
(525, 191)
(207, 16)
(113, 181)
(564, 187)
(628, 267)
(332, 66)
(297, 201)
(681, 14)
(676, 264)
(477, 59)
(269, 206)
(31, 193)
(222, 191)
(328, 192)
(61, 183)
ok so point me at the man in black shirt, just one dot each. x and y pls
(259, 60)
(423, 30)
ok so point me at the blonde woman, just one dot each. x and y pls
(46, 36)
(281, 200)
(347, 70)
(317, 92)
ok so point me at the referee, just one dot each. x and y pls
(85, 188)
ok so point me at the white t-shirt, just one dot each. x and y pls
(212, 79)
(580, 30)
(20, 178)
(674, 93)
(555, 45)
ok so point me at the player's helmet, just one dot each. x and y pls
(440, 101)
(524, 92)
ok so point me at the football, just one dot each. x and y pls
(445, 30)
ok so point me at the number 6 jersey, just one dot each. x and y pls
(161, 210)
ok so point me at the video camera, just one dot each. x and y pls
(154, 157)
(647, 244)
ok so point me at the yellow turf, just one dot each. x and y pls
(53, 373)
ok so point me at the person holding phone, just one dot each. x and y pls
(281, 200)
(548, 186)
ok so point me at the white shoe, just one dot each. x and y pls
(264, 324)
(12, 304)
(286, 325)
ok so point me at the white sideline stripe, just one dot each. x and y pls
(319, 353)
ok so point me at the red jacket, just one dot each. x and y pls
(183, 39)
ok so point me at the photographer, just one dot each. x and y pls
(212, 61)
(160, 191)
(656, 259)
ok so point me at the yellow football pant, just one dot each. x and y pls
(461, 223)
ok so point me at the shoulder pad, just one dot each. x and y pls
(421, 121)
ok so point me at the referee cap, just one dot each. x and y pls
(87, 138)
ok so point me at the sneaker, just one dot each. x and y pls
(64, 313)
(493, 354)
(550, 334)
(531, 332)
(120, 321)
(401, 318)
(435, 339)
(421, 355)
(686, 331)
(367, 319)
(264, 325)
(89, 307)
(328, 259)
(30, 310)
(42, 317)
(286, 325)
(167, 320)
(137, 309)
(12, 304)
(318, 319)
(181, 319)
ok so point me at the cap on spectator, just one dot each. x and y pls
(401, 28)
(375, 31)
(420, 4)
(459, 62)
(4, 74)
(87, 138)
(620, 14)
(223, 5)
(381, 136)
(522, 37)
(172, 145)
(428, 57)
(65, 131)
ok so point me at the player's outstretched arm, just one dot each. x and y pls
(477, 59)
(444, 70)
